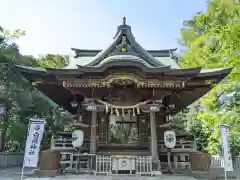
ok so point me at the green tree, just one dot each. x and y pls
(187, 122)
(53, 61)
(212, 40)
(22, 101)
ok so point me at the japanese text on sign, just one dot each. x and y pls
(35, 133)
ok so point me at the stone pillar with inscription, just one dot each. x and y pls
(154, 148)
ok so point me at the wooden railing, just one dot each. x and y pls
(66, 144)
(179, 144)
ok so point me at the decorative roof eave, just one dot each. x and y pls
(192, 72)
(215, 72)
(64, 71)
(94, 52)
(184, 72)
(123, 63)
(161, 53)
(47, 81)
(46, 71)
(211, 77)
(30, 69)
(85, 52)
(37, 74)
(198, 72)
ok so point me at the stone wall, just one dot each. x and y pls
(10, 159)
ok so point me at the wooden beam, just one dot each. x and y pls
(154, 146)
(93, 145)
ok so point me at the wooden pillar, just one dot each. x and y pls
(175, 160)
(93, 147)
(154, 148)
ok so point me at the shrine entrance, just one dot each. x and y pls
(123, 129)
(124, 134)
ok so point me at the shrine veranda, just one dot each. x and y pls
(123, 99)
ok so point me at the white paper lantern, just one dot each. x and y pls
(170, 139)
(77, 136)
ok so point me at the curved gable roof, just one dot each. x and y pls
(125, 38)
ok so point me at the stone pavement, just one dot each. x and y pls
(15, 174)
(114, 177)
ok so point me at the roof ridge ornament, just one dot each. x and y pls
(124, 21)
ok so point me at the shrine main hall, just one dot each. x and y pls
(123, 100)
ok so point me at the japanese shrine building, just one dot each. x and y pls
(127, 94)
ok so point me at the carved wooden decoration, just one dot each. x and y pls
(124, 79)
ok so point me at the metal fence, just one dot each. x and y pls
(10, 159)
(218, 162)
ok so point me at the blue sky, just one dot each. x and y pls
(54, 26)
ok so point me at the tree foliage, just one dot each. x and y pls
(21, 100)
(212, 40)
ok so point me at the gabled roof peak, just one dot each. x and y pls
(124, 43)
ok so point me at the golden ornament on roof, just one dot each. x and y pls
(124, 49)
